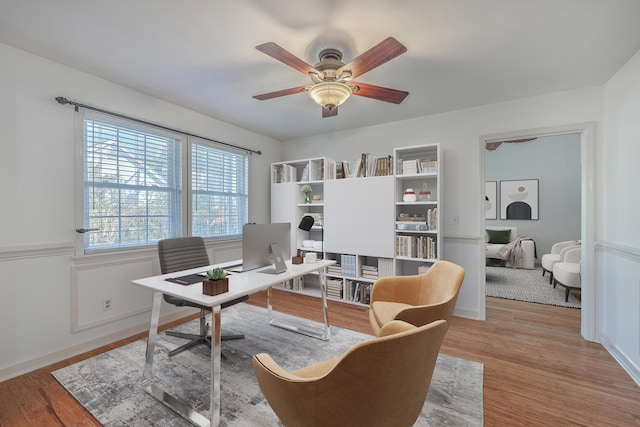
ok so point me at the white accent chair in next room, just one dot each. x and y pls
(548, 260)
(567, 272)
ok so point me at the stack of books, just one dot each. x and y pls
(409, 167)
(334, 288)
(359, 291)
(416, 247)
(418, 166)
(366, 165)
(369, 272)
(296, 284)
(411, 222)
(334, 270)
(428, 165)
(284, 173)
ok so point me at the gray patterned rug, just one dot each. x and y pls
(526, 285)
(109, 385)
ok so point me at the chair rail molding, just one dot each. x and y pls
(36, 251)
(631, 253)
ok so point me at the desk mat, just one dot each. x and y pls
(189, 279)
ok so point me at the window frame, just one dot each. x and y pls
(185, 141)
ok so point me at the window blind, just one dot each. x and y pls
(219, 187)
(132, 185)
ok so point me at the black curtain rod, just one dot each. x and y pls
(64, 101)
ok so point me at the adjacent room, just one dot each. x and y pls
(279, 212)
(545, 172)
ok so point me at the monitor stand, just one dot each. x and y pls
(281, 267)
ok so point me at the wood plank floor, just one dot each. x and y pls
(538, 369)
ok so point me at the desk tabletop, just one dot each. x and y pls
(240, 284)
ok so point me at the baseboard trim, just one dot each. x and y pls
(622, 359)
(65, 353)
(467, 314)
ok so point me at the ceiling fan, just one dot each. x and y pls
(332, 82)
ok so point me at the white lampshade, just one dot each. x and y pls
(330, 94)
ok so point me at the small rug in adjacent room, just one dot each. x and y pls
(109, 385)
(526, 285)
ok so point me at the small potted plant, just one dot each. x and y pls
(217, 282)
(306, 189)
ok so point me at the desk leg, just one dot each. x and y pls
(147, 376)
(323, 292)
(215, 366)
(323, 335)
(154, 390)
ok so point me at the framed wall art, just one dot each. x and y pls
(519, 199)
(491, 200)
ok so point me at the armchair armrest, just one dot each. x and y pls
(574, 255)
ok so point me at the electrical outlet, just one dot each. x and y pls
(106, 304)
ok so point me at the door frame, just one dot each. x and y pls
(586, 130)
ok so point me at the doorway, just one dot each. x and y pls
(585, 133)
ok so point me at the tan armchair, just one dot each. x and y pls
(379, 382)
(419, 299)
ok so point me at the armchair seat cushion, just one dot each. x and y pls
(386, 311)
(548, 260)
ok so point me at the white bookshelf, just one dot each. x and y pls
(360, 219)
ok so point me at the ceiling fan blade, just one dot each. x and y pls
(287, 58)
(380, 93)
(329, 113)
(384, 51)
(282, 92)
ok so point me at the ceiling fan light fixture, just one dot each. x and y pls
(330, 94)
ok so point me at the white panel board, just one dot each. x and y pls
(359, 216)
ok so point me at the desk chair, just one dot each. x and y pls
(183, 253)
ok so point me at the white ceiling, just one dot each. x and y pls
(201, 53)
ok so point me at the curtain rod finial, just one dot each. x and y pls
(62, 100)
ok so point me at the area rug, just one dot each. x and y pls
(109, 385)
(526, 285)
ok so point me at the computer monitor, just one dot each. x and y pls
(257, 240)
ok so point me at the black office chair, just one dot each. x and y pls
(183, 253)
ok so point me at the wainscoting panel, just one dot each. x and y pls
(464, 251)
(619, 290)
(102, 292)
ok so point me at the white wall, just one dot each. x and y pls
(618, 257)
(460, 134)
(50, 305)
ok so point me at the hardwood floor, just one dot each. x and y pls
(538, 371)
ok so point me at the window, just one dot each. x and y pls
(219, 182)
(133, 186)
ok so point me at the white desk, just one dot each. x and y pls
(240, 284)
